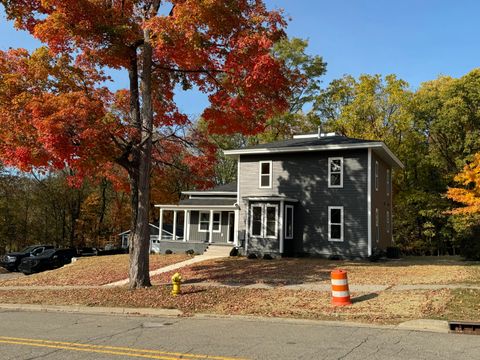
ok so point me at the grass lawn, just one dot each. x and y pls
(385, 307)
(410, 271)
(95, 270)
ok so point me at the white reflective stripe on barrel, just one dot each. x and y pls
(340, 293)
(339, 282)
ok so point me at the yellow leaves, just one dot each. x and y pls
(469, 196)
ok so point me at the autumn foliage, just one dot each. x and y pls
(469, 177)
(55, 111)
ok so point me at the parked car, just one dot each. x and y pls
(48, 260)
(87, 251)
(11, 261)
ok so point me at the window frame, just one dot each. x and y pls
(342, 223)
(266, 219)
(389, 182)
(376, 174)
(260, 174)
(330, 159)
(287, 235)
(263, 221)
(388, 221)
(200, 230)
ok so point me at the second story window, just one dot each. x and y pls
(265, 172)
(335, 172)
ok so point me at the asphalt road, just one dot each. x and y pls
(38, 335)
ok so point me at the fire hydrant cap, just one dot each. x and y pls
(176, 277)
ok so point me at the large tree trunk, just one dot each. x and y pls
(139, 262)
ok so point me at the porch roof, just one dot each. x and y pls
(198, 207)
(269, 198)
(209, 201)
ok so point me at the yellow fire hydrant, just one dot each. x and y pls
(176, 281)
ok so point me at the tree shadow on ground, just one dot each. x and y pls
(364, 297)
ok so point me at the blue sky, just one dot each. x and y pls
(416, 39)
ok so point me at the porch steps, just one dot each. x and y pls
(218, 250)
(212, 252)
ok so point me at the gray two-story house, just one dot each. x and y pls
(315, 194)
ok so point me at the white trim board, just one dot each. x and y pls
(369, 145)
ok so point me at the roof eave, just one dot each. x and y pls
(259, 151)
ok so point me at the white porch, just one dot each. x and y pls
(201, 223)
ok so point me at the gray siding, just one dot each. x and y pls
(382, 202)
(304, 176)
(218, 237)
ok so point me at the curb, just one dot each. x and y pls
(93, 310)
(424, 325)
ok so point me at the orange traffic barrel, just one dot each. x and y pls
(340, 292)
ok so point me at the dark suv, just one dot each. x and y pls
(48, 260)
(10, 261)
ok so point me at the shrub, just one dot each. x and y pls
(267, 257)
(393, 252)
(234, 252)
(335, 257)
(470, 246)
(168, 252)
(252, 256)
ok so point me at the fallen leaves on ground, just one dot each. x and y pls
(95, 270)
(464, 305)
(300, 271)
(386, 307)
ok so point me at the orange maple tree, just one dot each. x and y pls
(469, 177)
(54, 111)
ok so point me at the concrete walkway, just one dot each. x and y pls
(213, 252)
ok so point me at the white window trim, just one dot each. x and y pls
(263, 221)
(270, 174)
(376, 175)
(388, 221)
(330, 159)
(286, 221)
(213, 214)
(389, 182)
(342, 224)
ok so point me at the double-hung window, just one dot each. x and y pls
(335, 223)
(289, 222)
(204, 222)
(265, 174)
(389, 182)
(335, 172)
(264, 220)
(387, 221)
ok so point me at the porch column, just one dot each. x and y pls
(160, 225)
(210, 227)
(235, 227)
(174, 236)
(280, 224)
(186, 225)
